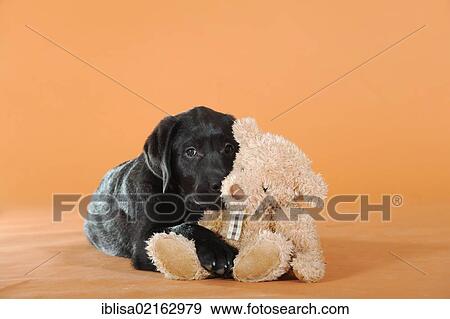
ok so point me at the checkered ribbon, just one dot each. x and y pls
(235, 226)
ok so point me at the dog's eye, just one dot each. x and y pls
(190, 152)
(229, 148)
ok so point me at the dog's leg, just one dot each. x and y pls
(213, 253)
(139, 258)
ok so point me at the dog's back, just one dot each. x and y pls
(109, 223)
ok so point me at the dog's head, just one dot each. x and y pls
(192, 153)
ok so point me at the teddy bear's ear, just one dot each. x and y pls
(244, 129)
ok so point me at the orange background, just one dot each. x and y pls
(381, 129)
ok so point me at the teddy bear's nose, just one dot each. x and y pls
(237, 192)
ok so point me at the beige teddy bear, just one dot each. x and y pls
(270, 178)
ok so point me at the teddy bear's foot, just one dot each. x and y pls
(308, 267)
(266, 258)
(175, 256)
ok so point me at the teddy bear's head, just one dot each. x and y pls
(269, 167)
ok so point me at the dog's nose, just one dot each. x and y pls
(215, 187)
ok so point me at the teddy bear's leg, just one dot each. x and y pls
(263, 258)
(175, 257)
(308, 263)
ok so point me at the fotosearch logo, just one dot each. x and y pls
(173, 207)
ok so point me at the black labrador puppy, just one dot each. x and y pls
(166, 189)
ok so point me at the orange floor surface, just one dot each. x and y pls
(408, 257)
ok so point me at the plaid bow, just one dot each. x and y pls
(235, 226)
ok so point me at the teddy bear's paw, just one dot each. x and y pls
(308, 268)
(175, 257)
(265, 259)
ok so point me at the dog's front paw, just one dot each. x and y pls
(216, 256)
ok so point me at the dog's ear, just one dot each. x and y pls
(157, 149)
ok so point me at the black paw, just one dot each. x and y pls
(216, 256)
